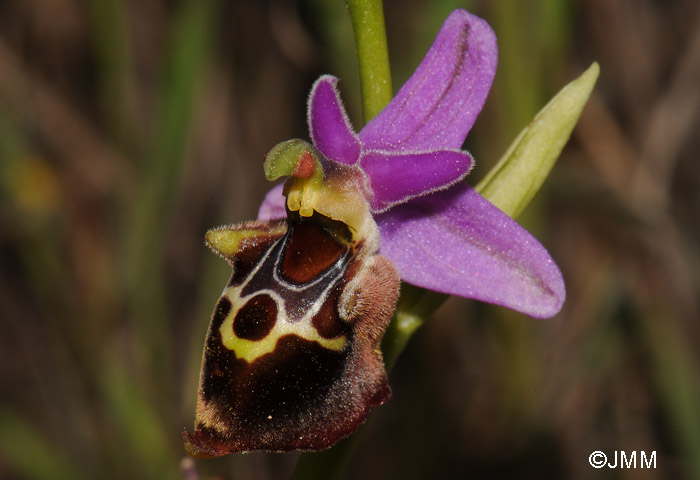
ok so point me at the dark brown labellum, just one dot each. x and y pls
(292, 360)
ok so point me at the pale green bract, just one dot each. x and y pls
(520, 172)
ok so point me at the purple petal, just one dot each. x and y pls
(456, 242)
(398, 177)
(437, 106)
(273, 207)
(330, 128)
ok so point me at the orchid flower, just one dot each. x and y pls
(438, 232)
(292, 359)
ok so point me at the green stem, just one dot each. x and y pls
(415, 306)
(367, 17)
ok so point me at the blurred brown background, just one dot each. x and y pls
(127, 128)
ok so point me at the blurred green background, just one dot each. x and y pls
(128, 128)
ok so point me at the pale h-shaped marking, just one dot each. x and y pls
(251, 350)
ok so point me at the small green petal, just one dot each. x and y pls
(519, 174)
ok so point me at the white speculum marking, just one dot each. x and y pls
(250, 350)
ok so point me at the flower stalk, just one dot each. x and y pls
(415, 306)
(367, 17)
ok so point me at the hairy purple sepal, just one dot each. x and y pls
(458, 243)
